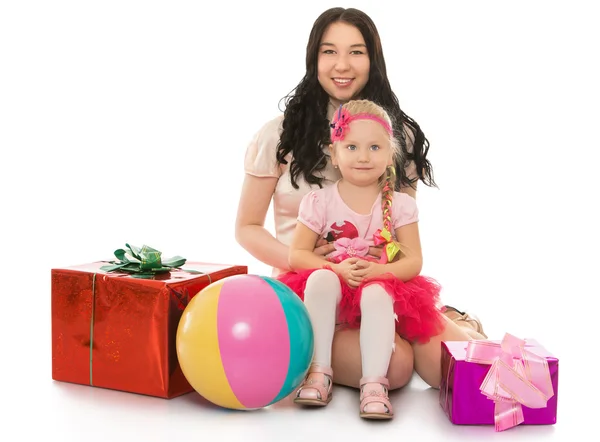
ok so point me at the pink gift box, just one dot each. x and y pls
(521, 375)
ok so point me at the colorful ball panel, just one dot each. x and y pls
(198, 348)
(253, 339)
(301, 341)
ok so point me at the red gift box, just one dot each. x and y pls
(116, 331)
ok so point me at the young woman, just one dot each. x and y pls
(289, 157)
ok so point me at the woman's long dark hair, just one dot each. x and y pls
(305, 123)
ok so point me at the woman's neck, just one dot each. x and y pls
(333, 106)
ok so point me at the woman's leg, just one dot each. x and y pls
(428, 356)
(347, 362)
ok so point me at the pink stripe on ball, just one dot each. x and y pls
(253, 340)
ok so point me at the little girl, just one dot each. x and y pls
(349, 287)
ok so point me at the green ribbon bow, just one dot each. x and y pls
(145, 262)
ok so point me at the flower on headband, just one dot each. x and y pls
(340, 124)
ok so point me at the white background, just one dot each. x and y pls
(127, 122)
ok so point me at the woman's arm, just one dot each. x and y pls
(249, 226)
(250, 233)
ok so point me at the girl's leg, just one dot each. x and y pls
(428, 356)
(347, 360)
(377, 333)
(322, 295)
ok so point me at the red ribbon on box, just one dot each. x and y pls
(516, 377)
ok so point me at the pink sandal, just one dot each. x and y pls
(374, 395)
(315, 392)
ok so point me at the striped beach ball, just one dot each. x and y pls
(245, 342)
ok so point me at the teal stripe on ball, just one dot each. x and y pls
(300, 335)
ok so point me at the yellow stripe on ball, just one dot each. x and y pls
(198, 349)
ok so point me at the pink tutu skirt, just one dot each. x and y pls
(415, 303)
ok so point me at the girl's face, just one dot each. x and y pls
(364, 154)
(343, 63)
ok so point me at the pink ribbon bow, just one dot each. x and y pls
(378, 238)
(349, 247)
(516, 377)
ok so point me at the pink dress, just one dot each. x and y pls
(325, 213)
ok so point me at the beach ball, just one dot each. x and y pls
(245, 342)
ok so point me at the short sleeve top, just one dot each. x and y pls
(325, 213)
(261, 160)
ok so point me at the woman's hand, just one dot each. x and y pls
(376, 251)
(323, 248)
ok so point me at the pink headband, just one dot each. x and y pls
(344, 118)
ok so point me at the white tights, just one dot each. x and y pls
(322, 296)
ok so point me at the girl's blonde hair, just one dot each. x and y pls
(367, 109)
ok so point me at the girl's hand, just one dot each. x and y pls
(367, 269)
(323, 248)
(346, 270)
